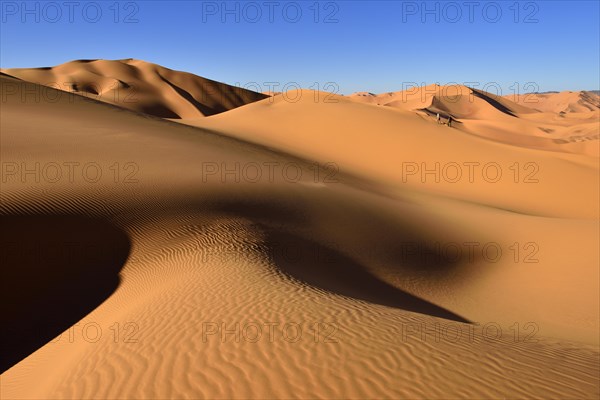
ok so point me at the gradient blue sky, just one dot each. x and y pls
(365, 46)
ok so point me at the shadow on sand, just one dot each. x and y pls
(55, 270)
(330, 270)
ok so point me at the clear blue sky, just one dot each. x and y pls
(357, 45)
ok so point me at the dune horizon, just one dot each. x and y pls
(180, 96)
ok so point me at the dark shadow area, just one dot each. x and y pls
(91, 89)
(283, 213)
(123, 85)
(412, 250)
(328, 269)
(55, 270)
(205, 110)
(10, 76)
(493, 102)
(159, 110)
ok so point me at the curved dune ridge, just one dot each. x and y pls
(326, 274)
(140, 86)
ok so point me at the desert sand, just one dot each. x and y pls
(199, 244)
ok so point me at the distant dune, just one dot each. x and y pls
(560, 102)
(547, 126)
(141, 86)
(554, 102)
(380, 253)
(456, 100)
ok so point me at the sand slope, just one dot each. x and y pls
(382, 144)
(140, 86)
(211, 249)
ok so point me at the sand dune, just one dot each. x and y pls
(140, 86)
(562, 102)
(504, 120)
(457, 100)
(337, 234)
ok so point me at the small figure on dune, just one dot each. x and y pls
(438, 118)
(449, 121)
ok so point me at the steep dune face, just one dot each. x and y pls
(457, 100)
(140, 86)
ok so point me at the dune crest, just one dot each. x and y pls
(141, 86)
